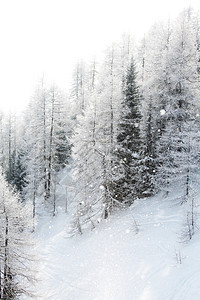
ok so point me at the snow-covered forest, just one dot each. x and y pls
(107, 174)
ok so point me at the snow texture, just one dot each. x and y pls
(135, 255)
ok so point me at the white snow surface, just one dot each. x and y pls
(114, 262)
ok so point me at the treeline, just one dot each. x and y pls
(33, 150)
(138, 128)
(128, 128)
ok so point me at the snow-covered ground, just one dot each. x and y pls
(116, 261)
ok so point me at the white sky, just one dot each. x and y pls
(46, 37)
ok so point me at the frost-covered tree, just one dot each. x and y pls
(19, 173)
(149, 63)
(87, 175)
(178, 142)
(8, 145)
(11, 151)
(34, 143)
(95, 142)
(15, 243)
(79, 87)
(3, 142)
(58, 145)
(128, 149)
(46, 143)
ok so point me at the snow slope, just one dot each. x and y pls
(115, 262)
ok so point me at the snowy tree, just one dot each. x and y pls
(58, 145)
(8, 146)
(19, 173)
(15, 242)
(79, 87)
(128, 186)
(3, 160)
(149, 63)
(87, 175)
(46, 144)
(177, 146)
(95, 143)
(35, 148)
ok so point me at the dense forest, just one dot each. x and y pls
(127, 129)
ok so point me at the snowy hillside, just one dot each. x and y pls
(73, 163)
(119, 260)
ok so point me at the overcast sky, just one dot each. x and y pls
(47, 37)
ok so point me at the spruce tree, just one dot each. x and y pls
(128, 171)
(19, 173)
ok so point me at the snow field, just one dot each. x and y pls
(114, 262)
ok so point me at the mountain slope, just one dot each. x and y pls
(119, 260)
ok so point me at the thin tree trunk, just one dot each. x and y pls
(66, 200)
(50, 147)
(44, 144)
(5, 275)
(0, 282)
(54, 202)
(54, 194)
(187, 185)
(34, 206)
(106, 196)
(9, 150)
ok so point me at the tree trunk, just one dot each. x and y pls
(50, 147)
(5, 275)
(44, 146)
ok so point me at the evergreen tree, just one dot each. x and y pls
(128, 185)
(19, 173)
(148, 155)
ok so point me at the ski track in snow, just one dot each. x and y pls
(114, 263)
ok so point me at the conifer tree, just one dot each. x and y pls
(19, 173)
(128, 185)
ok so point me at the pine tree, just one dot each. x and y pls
(128, 186)
(19, 173)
